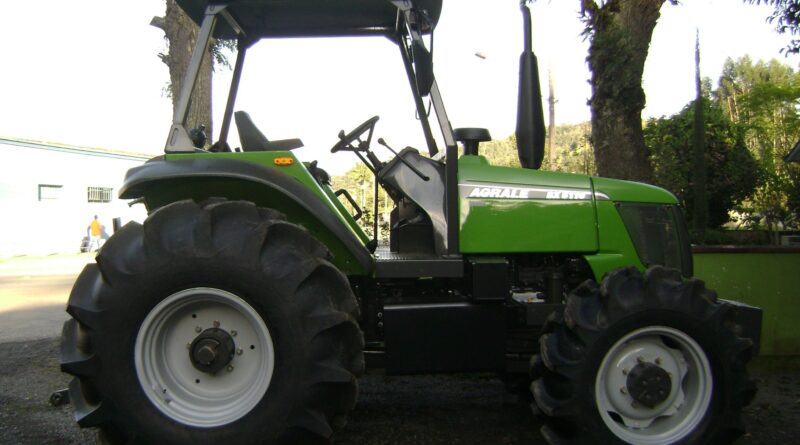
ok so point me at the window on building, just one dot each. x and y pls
(99, 194)
(49, 192)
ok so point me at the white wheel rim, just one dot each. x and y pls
(172, 383)
(684, 407)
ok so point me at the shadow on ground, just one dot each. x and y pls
(422, 410)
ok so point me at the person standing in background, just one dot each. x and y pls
(95, 230)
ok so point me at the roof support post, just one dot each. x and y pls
(178, 139)
(451, 171)
(451, 149)
(237, 76)
(423, 115)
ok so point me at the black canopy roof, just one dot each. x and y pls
(309, 18)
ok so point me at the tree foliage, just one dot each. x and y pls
(731, 171)
(763, 97)
(752, 122)
(572, 151)
(786, 18)
(501, 152)
(359, 182)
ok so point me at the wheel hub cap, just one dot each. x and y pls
(654, 386)
(188, 365)
(212, 350)
(648, 384)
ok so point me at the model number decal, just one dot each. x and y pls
(568, 194)
(473, 191)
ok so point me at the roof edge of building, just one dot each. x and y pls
(97, 151)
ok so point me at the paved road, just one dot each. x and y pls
(32, 307)
(34, 292)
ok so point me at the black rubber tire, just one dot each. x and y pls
(277, 267)
(576, 339)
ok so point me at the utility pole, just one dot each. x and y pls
(700, 208)
(551, 129)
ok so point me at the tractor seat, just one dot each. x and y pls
(252, 139)
(428, 195)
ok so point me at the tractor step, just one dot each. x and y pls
(390, 264)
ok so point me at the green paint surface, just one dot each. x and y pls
(767, 280)
(477, 168)
(590, 227)
(628, 191)
(524, 225)
(616, 249)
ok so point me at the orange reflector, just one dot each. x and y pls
(283, 161)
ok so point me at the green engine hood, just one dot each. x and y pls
(629, 191)
(504, 210)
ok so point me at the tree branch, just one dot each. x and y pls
(588, 8)
(159, 22)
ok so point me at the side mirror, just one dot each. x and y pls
(423, 67)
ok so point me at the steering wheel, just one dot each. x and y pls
(346, 140)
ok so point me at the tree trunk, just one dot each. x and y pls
(181, 34)
(620, 32)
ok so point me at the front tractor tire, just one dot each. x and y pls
(642, 359)
(213, 323)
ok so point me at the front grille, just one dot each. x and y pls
(659, 234)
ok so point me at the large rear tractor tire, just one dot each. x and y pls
(643, 359)
(214, 323)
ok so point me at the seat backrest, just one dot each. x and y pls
(428, 195)
(252, 139)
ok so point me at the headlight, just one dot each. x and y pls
(658, 232)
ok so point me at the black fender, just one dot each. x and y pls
(160, 182)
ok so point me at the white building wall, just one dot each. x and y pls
(33, 226)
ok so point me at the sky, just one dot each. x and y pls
(88, 74)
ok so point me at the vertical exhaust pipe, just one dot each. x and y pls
(530, 115)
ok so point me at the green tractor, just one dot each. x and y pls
(249, 302)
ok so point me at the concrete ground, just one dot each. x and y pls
(34, 292)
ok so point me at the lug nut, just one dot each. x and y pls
(198, 329)
(640, 359)
(658, 360)
(230, 368)
(234, 333)
(239, 351)
(188, 346)
(216, 323)
(625, 371)
(623, 390)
